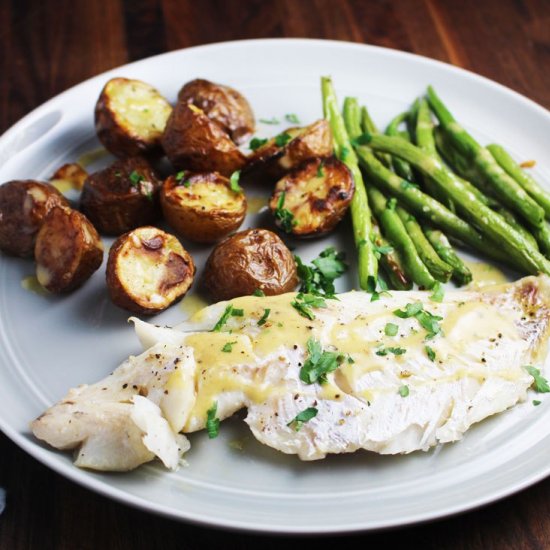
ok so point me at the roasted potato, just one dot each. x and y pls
(130, 117)
(313, 198)
(68, 250)
(223, 104)
(71, 176)
(255, 259)
(202, 207)
(192, 141)
(288, 150)
(122, 197)
(148, 270)
(24, 205)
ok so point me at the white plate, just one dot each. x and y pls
(49, 344)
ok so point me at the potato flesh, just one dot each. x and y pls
(139, 106)
(207, 195)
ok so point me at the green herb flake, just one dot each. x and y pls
(363, 139)
(228, 347)
(320, 171)
(301, 418)
(319, 363)
(404, 391)
(351, 360)
(284, 216)
(135, 178)
(282, 139)
(304, 302)
(344, 153)
(180, 175)
(264, 317)
(237, 312)
(292, 118)
(319, 277)
(540, 384)
(234, 182)
(382, 250)
(430, 323)
(259, 293)
(256, 143)
(272, 120)
(212, 423)
(536, 402)
(410, 310)
(395, 350)
(391, 204)
(430, 353)
(438, 293)
(223, 319)
(405, 185)
(391, 329)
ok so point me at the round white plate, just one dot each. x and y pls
(49, 344)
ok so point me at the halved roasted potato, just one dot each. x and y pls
(255, 259)
(288, 150)
(24, 204)
(192, 141)
(69, 176)
(225, 105)
(130, 117)
(122, 196)
(148, 270)
(313, 198)
(68, 250)
(202, 207)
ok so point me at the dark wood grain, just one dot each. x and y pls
(48, 46)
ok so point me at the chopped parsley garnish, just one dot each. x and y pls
(391, 204)
(291, 117)
(344, 152)
(223, 319)
(304, 302)
(536, 402)
(285, 216)
(180, 175)
(404, 391)
(237, 312)
(234, 182)
(396, 351)
(430, 353)
(319, 278)
(305, 416)
(135, 178)
(256, 143)
(391, 329)
(282, 139)
(363, 139)
(319, 363)
(382, 250)
(427, 320)
(408, 185)
(264, 317)
(410, 310)
(351, 360)
(320, 171)
(139, 182)
(540, 384)
(212, 423)
(228, 347)
(259, 292)
(372, 285)
(438, 293)
(272, 120)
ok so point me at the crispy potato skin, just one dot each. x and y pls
(122, 137)
(115, 203)
(317, 194)
(271, 162)
(150, 250)
(203, 210)
(68, 250)
(192, 141)
(225, 105)
(250, 260)
(24, 204)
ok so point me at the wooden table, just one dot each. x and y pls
(48, 46)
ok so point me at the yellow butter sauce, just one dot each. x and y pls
(255, 204)
(92, 156)
(31, 284)
(485, 274)
(192, 303)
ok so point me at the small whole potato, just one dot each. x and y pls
(121, 197)
(225, 105)
(130, 117)
(148, 269)
(202, 207)
(24, 204)
(192, 141)
(255, 259)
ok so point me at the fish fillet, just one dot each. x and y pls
(388, 394)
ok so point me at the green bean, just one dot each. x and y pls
(436, 266)
(370, 127)
(509, 192)
(512, 220)
(542, 236)
(400, 167)
(359, 208)
(489, 222)
(397, 235)
(514, 170)
(461, 274)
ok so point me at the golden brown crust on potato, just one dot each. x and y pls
(247, 261)
(202, 207)
(122, 197)
(68, 250)
(192, 141)
(130, 117)
(24, 205)
(148, 270)
(287, 151)
(225, 105)
(70, 175)
(317, 195)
